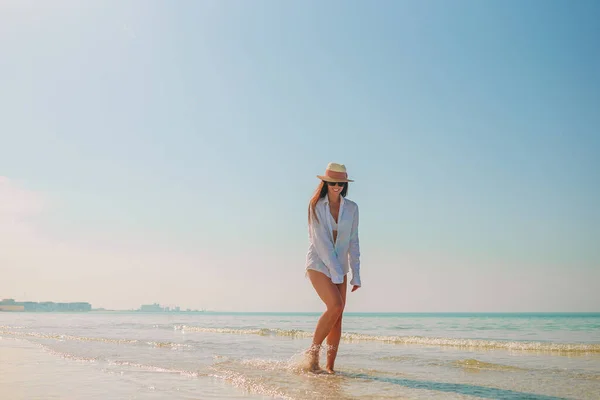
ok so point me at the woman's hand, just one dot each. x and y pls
(355, 287)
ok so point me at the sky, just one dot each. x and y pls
(166, 151)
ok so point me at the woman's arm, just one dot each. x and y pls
(323, 244)
(354, 253)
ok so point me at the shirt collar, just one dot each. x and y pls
(326, 200)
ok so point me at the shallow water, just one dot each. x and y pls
(259, 355)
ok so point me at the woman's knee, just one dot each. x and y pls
(336, 307)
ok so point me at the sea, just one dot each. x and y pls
(219, 355)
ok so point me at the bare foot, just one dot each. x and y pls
(313, 366)
(313, 359)
(317, 370)
(329, 371)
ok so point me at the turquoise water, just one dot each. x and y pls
(259, 355)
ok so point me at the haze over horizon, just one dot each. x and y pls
(163, 152)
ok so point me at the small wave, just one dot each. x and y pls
(251, 385)
(587, 376)
(8, 327)
(60, 337)
(478, 343)
(472, 364)
(397, 358)
(154, 368)
(70, 356)
(238, 331)
(276, 378)
(147, 367)
(415, 340)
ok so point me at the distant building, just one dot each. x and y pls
(46, 306)
(158, 308)
(151, 308)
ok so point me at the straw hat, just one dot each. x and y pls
(335, 173)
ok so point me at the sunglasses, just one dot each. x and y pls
(336, 183)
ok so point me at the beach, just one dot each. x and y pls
(129, 355)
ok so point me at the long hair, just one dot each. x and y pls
(321, 192)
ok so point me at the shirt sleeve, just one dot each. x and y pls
(324, 247)
(354, 251)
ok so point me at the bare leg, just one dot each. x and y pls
(330, 294)
(333, 339)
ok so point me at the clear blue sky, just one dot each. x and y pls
(161, 151)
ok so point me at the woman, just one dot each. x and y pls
(333, 250)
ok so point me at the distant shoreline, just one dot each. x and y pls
(316, 313)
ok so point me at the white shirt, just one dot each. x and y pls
(335, 259)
